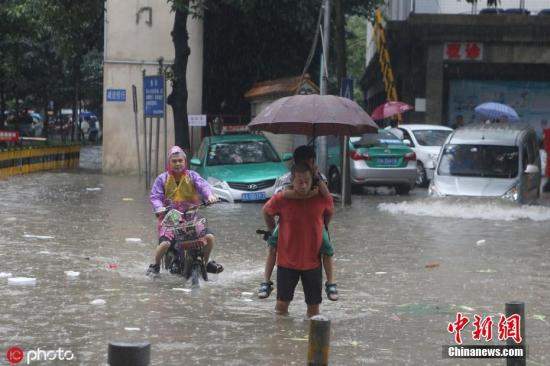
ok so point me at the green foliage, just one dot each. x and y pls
(356, 29)
(50, 50)
(248, 41)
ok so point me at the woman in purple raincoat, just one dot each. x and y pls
(179, 188)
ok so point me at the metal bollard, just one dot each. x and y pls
(512, 308)
(129, 354)
(319, 341)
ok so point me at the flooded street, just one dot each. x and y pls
(405, 265)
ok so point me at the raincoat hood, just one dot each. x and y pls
(175, 150)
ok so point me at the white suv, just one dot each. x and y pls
(426, 142)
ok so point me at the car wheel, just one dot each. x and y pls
(334, 180)
(402, 189)
(421, 177)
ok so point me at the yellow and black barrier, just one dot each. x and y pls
(33, 159)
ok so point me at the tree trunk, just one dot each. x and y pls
(340, 42)
(341, 73)
(178, 98)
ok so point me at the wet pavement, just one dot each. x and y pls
(404, 266)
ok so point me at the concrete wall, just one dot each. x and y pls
(131, 47)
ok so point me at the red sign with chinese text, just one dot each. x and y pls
(508, 327)
(463, 51)
(9, 136)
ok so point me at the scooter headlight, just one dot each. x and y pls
(216, 183)
(280, 182)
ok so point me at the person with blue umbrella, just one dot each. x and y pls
(496, 112)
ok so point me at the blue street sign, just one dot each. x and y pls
(153, 95)
(116, 95)
(347, 88)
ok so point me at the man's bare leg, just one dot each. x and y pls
(161, 251)
(210, 242)
(281, 307)
(312, 310)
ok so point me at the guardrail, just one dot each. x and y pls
(24, 160)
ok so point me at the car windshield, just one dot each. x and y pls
(431, 137)
(377, 139)
(241, 152)
(489, 161)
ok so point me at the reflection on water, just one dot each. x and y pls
(393, 308)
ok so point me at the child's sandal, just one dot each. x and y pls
(265, 289)
(332, 292)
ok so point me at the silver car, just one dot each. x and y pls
(375, 160)
(490, 160)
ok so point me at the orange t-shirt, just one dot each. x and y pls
(300, 229)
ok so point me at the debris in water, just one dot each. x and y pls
(432, 265)
(467, 308)
(98, 302)
(182, 289)
(380, 273)
(127, 199)
(540, 317)
(480, 242)
(21, 281)
(354, 343)
(248, 300)
(5, 274)
(247, 293)
(72, 273)
(133, 240)
(93, 189)
(111, 266)
(132, 329)
(298, 339)
(38, 236)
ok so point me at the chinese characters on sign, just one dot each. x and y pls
(508, 327)
(9, 136)
(116, 95)
(463, 51)
(196, 120)
(153, 95)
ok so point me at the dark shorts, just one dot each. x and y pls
(173, 242)
(312, 283)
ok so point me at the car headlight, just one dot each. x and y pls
(281, 182)
(433, 191)
(512, 194)
(215, 182)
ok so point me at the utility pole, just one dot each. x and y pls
(325, 40)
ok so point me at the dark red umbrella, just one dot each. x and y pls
(314, 115)
(390, 109)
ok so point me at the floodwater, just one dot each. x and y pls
(405, 267)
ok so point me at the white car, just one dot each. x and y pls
(426, 142)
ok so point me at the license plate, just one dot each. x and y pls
(255, 196)
(387, 161)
